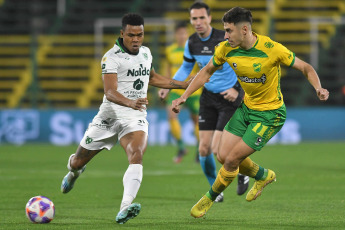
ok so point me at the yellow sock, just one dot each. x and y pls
(223, 180)
(196, 132)
(175, 128)
(249, 167)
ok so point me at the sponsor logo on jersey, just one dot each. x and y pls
(258, 141)
(206, 50)
(145, 56)
(88, 140)
(141, 122)
(138, 84)
(269, 45)
(257, 67)
(138, 72)
(246, 79)
(103, 66)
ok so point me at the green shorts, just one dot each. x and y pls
(256, 127)
(192, 102)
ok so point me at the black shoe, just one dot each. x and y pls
(180, 154)
(220, 198)
(242, 184)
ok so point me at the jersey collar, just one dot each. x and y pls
(255, 44)
(119, 43)
(208, 37)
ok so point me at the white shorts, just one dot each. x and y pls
(104, 133)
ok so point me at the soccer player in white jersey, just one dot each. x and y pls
(126, 72)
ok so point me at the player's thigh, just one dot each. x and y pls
(215, 141)
(232, 149)
(205, 142)
(226, 144)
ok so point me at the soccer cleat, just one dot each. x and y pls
(68, 181)
(242, 184)
(200, 208)
(220, 198)
(258, 186)
(180, 154)
(128, 213)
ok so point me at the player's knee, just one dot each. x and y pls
(204, 150)
(231, 163)
(220, 159)
(136, 157)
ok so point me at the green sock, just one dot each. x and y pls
(261, 174)
(265, 174)
(212, 195)
(180, 144)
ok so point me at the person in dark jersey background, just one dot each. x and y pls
(221, 95)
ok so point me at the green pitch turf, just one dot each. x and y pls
(309, 192)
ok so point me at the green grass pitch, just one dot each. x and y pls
(309, 192)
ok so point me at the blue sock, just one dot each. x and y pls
(208, 165)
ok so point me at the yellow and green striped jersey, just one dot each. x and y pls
(258, 70)
(174, 56)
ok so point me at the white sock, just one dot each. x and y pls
(131, 184)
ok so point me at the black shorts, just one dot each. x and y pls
(215, 111)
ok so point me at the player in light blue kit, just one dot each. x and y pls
(221, 95)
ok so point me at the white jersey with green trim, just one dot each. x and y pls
(133, 73)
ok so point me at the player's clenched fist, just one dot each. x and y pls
(322, 94)
(176, 104)
(138, 104)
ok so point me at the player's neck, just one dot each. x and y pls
(207, 33)
(249, 41)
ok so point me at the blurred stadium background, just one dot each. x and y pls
(50, 75)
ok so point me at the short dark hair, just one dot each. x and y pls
(236, 15)
(181, 24)
(200, 5)
(132, 19)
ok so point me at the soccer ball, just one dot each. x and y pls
(40, 209)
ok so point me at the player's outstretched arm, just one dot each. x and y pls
(182, 73)
(111, 93)
(160, 81)
(310, 73)
(198, 81)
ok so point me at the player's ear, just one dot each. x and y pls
(210, 18)
(244, 29)
(121, 33)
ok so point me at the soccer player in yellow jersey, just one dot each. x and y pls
(174, 59)
(256, 60)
